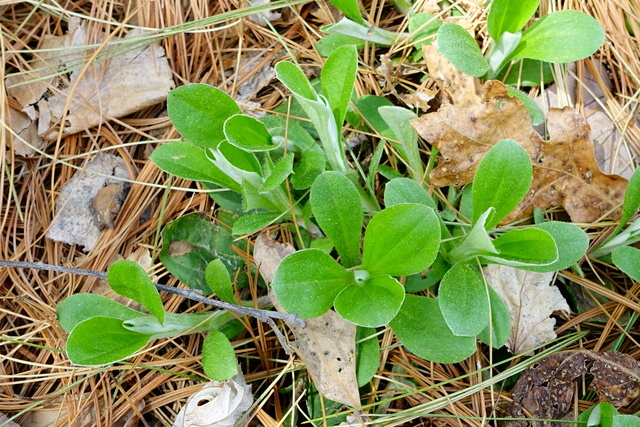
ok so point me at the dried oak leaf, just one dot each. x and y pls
(546, 389)
(565, 172)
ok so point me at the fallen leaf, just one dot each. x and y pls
(122, 85)
(26, 141)
(565, 172)
(75, 222)
(326, 345)
(611, 152)
(530, 299)
(461, 89)
(106, 204)
(546, 389)
(217, 404)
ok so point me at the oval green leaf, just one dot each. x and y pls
(421, 328)
(405, 190)
(294, 79)
(367, 355)
(463, 301)
(79, 307)
(189, 161)
(500, 322)
(373, 304)
(252, 223)
(219, 280)
(530, 246)
(248, 134)
(509, 15)
(461, 49)
(130, 280)
(627, 259)
(337, 78)
(571, 241)
(501, 181)
(336, 205)
(218, 357)
(563, 36)
(279, 173)
(307, 282)
(401, 240)
(101, 341)
(198, 111)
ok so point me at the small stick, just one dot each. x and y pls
(262, 315)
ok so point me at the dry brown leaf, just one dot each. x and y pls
(461, 88)
(117, 87)
(75, 221)
(326, 345)
(546, 389)
(531, 300)
(565, 172)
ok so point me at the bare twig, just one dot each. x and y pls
(262, 315)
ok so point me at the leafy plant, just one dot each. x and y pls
(563, 36)
(102, 331)
(404, 239)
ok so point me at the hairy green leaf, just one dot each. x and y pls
(461, 49)
(218, 357)
(373, 303)
(463, 301)
(79, 307)
(128, 278)
(337, 79)
(248, 134)
(509, 15)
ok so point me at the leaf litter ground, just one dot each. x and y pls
(36, 378)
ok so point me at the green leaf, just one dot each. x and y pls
(405, 190)
(329, 43)
(350, 8)
(421, 328)
(530, 246)
(248, 134)
(101, 341)
(463, 301)
(373, 303)
(535, 112)
(526, 72)
(198, 112)
(189, 161)
(398, 119)
(280, 172)
(218, 358)
(368, 106)
(631, 200)
(401, 240)
(306, 282)
(190, 242)
(364, 32)
(237, 158)
(130, 280)
(177, 324)
(423, 27)
(502, 180)
(337, 78)
(219, 281)
(509, 15)
(310, 166)
(627, 259)
(601, 414)
(501, 50)
(336, 205)
(476, 243)
(563, 36)
(571, 241)
(79, 307)
(294, 79)
(367, 355)
(252, 223)
(461, 49)
(500, 322)
(626, 421)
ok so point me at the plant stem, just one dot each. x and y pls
(262, 315)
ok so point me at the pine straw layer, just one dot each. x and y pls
(154, 384)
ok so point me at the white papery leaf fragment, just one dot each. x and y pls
(217, 404)
(531, 299)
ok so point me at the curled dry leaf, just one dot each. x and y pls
(565, 172)
(326, 345)
(546, 389)
(217, 404)
(531, 300)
